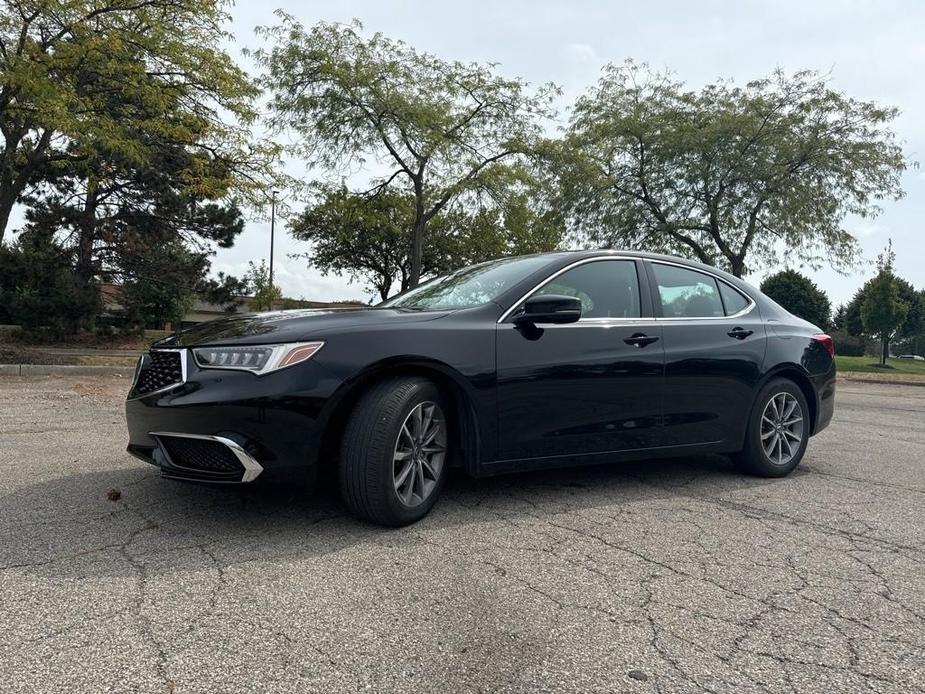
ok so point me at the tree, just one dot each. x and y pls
(367, 237)
(119, 220)
(258, 280)
(225, 290)
(441, 129)
(799, 295)
(883, 310)
(912, 325)
(766, 171)
(115, 209)
(158, 287)
(36, 287)
(63, 63)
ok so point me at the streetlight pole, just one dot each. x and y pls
(272, 232)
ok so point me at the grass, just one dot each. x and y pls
(104, 360)
(872, 365)
(16, 354)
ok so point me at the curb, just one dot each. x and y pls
(64, 369)
(883, 381)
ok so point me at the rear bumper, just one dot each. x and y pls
(233, 427)
(825, 404)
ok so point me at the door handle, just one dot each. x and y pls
(739, 333)
(640, 340)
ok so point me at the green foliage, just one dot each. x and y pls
(124, 218)
(37, 289)
(914, 344)
(913, 325)
(366, 238)
(157, 288)
(264, 293)
(224, 290)
(861, 364)
(799, 295)
(883, 310)
(64, 63)
(369, 237)
(767, 171)
(849, 345)
(516, 226)
(445, 130)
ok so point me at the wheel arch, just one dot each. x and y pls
(451, 383)
(796, 374)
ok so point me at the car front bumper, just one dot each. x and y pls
(232, 426)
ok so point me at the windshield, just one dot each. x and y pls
(469, 286)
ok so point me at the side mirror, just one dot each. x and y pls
(550, 308)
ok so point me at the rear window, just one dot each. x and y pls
(687, 293)
(733, 301)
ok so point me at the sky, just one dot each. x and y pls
(872, 50)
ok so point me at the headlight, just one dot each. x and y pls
(258, 359)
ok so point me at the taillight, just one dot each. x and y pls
(826, 342)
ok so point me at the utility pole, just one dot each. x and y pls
(272, 233)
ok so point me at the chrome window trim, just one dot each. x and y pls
(595, 259)
(183, 372)
(604, 323)
(252, 468)
(745, 311)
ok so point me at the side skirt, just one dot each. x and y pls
(500, 467)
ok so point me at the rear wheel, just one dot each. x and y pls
(394, 452)
(778, 430)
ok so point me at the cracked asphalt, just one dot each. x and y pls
(673, 576)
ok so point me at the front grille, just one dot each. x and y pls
(202, 455)
(160, 370)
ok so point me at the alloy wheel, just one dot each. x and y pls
(419, 454)
(782, 428)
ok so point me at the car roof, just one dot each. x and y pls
(605, 252)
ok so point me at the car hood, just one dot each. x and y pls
(290, 326)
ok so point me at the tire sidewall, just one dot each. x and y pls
(755, 459)
(423, 391)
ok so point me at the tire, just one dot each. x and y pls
(766, 429)
(378, 447)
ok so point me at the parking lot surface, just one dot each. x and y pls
(673, 576)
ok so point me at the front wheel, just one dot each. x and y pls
(394, 452)
(778, 430)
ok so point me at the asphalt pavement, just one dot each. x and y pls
(671, 576)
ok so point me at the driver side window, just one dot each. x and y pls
(606, 288)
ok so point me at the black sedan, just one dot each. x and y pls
(520, 363)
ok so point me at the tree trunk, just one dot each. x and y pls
(7, 201)
(15, 180)
(737, 266)
(884, 349)
(417, 251)
(84, 290)
(417, 231)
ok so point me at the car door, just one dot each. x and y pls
(714, 342)
(587, 387)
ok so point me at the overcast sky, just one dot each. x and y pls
(873, 50)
